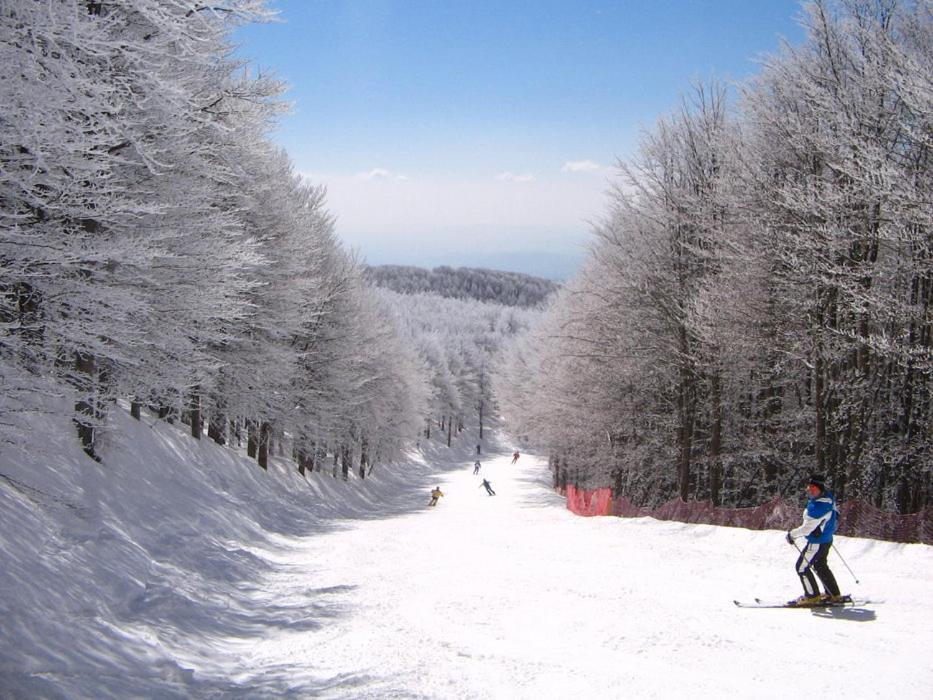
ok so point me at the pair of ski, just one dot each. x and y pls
(846, 602)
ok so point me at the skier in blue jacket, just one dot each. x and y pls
(819, 524)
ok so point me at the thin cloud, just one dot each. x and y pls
(512, 177)
(380, 174)
(580, 166)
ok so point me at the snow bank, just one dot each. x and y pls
(107, 569)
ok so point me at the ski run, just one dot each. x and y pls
(179, 569)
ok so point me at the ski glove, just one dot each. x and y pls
(790, 539)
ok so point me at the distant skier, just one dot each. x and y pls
(819, 523)
(476, 466)
(478, 450)
(515, 457)
(435, 494)
(488, 486)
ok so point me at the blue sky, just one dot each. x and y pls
(473, 133)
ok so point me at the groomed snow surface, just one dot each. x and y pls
(180, 569)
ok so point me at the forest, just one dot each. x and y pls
(158, 252)
(758, 302)
(500, 287)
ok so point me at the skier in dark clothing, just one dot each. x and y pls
(515, 457)
(819, 523)
(476, 466)
(488, 487)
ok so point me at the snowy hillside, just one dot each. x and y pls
(494, 286)
(180, 569)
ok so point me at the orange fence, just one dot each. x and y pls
(857, 518)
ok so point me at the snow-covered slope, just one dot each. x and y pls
(109, 571)
(180, 569)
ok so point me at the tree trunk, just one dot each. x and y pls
(197, 424)
(364, 458)
(715, 442)
(345, 462)
(820, 417)
(685, 409)
(265, 436)
(216, 427)
(301, 458)
(251, 438)
(166, 414)
(84, 407)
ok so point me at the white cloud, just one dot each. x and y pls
(580, 166)
(380, 174)
(512, 177)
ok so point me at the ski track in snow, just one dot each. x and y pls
(512, 596)
(150, 580)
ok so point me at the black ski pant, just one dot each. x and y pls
(813, 559)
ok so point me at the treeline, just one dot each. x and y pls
(758, 303)
(155, 247)
(458, 342)
(508, 288)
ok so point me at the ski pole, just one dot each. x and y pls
(839, 554)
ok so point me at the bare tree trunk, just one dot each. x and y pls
(301, 459)
(251, 438)
(166, 413)
(685, 409)
(820, 409)
(364, 457)
(345, 462)
(216, 427)
(265, 436)
(715, 443)
(197, 424)
(84, 407)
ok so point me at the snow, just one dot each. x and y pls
(180, 569)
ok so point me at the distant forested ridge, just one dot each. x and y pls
(507, 288)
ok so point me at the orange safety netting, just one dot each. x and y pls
(857, 518)
(596, 502)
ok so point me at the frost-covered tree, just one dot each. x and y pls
(109, 188)
(496, 286)
(155, 245)
(457, 341)
(840, 132)
(757, 301)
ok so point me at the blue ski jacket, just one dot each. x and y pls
(819, 519)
